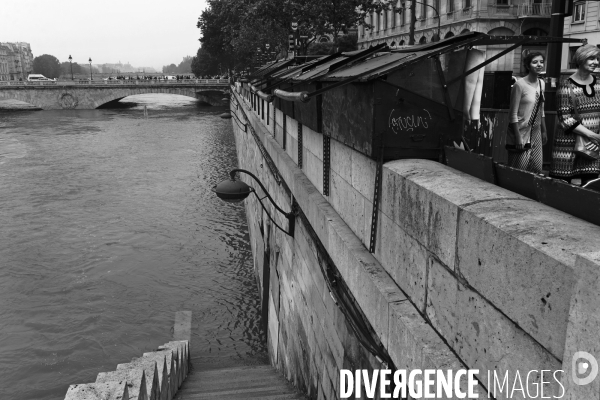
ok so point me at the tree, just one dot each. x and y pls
(169, 69)
(204, 64)
(65, 69)
(342, 44)
(320, 48)
(47, 65)
(232, 30)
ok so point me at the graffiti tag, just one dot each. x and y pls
(409, 123)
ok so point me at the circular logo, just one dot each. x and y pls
(67, 101)
(584, 368)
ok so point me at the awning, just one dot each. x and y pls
(382, 63)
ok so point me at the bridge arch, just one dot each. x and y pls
(20, 96)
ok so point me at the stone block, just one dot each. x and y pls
(183, 326)
(152, 377)
(414, 344)
(135, 378)
(164, 362)
(313, 169)
(341, 160)
(319, 213)
(484, 338)
(348, 203)
(370, 284)
(529, 249)
(582, 331)
(98, 391)
(292, 149)
(179, 359)
(404, 258)
(273, 331)
(363, 175)
(423, 197)
(292, 128)
(313, 142)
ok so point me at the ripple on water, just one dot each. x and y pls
(109, 227)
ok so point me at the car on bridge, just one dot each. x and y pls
(39, 78)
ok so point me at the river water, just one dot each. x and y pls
(108, 228)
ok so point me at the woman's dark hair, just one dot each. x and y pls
(529, 58)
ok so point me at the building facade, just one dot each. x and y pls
(19, 60)
(453, 17)
(4, 74)
(583, 24)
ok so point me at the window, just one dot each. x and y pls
(466, 4)
(436, 5)
(579, 12)
(450, 7)
(423, 9)
(502, 3)
(404, 12)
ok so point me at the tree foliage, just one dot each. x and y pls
(184, 67)
(47, 65)
(342, 43)
(233, 30)
(65, 68)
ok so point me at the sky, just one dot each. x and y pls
(145, 33)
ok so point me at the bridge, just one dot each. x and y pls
(58, 95)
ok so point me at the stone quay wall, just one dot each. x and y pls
(465, 274)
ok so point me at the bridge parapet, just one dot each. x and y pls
(212, 82)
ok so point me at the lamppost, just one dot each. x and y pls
(71, 64)
(233, 191)
(91, 76)
(413, 20)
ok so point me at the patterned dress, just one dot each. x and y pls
(530, 160)
(585, 99)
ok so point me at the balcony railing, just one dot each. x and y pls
(495, 10)
(535, 10)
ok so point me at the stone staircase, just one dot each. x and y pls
(154, 376)
(161, 375)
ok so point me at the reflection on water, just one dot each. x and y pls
(109, 228)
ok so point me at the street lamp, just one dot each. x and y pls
(433, 39)
(91, 77)
(233, 191)
(71, 58)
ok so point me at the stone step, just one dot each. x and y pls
(247, 382)
(135, 378)
(98, 391)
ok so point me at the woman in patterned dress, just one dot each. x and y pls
(528, 127)
(578, 109)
